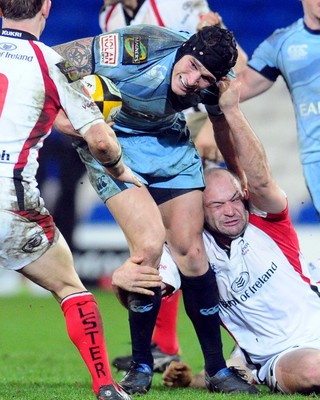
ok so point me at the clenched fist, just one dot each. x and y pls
(177, 374)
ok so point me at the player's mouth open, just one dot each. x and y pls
(185, 85)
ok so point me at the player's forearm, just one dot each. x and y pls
(250, 151)
(252, 83)
(224, 139)
(104, 146)
(225, 142)
(63, 125)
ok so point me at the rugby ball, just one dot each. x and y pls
(105, 94)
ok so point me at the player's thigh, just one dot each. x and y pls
(183, 218)
(297, 370)
(54, 271)
(139, 218)
(184, 212)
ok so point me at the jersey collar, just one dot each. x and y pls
(312, 31)
(14, 33)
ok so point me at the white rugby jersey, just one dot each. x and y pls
(179, 14)
(266, 299)
(34, 86)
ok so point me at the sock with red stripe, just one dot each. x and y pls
(165, 334)
(85, 329)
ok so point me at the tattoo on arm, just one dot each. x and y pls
(79, 53)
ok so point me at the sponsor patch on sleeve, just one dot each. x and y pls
(68, 70)
(135, 49)
(109, 49)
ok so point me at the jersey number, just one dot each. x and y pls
(3, 91)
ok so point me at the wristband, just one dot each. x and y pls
(113, 163)
(214, 110)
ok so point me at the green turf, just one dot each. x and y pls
(37, 360)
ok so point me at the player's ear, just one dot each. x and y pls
(245, 200)
(1, 13)
(46, 6)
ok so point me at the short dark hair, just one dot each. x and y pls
(20, 9)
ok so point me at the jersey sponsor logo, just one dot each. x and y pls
(228, 303)
(101, 183)
(4, 156)
(241, 282)
(7, 46)
(309, 109)
(21, 57)
(68, 70)
(32, 243)
(89, 104)
(297, 52)
(135, 49)
(109, 50)
(5, 32)
(245, 248)
(158, 72)
(163, 267)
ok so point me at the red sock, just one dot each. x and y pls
(85, 329)
(165, 333)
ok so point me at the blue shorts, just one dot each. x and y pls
(163, 161)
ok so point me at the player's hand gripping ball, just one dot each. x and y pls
(105, 94)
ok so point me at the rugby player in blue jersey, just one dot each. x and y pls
(161, 72)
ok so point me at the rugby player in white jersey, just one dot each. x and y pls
(34, 88)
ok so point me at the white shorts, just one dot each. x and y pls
(271, 377)
(168, 270)
(25, 236)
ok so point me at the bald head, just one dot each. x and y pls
(224, 207)
(217, 178)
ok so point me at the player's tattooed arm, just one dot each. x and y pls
(79, 54)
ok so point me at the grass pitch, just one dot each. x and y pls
(39, 362)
